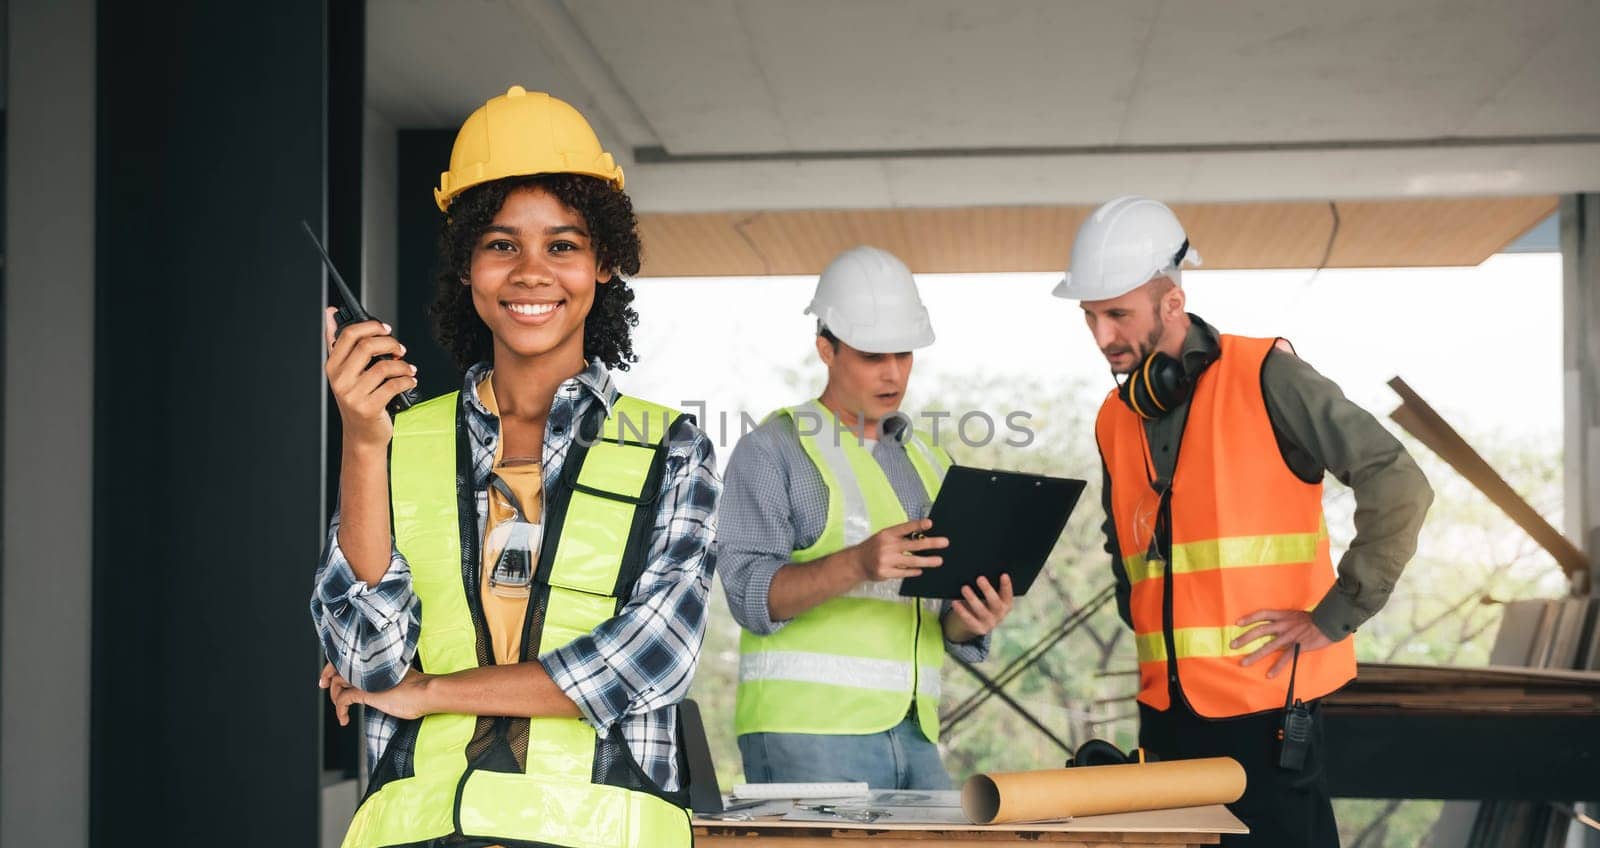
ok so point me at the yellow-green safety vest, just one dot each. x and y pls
(597, 523)
(852, 664)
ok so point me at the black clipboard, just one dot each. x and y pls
(998, 522)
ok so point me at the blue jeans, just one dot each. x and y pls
(898, 758)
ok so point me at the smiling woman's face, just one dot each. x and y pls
(533, 275)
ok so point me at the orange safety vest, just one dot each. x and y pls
(1247, 534)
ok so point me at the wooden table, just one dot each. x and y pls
(1187, 826)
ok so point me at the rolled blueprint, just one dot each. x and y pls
(1027, 796)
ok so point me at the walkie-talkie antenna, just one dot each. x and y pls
(352, 304)
(354, 313)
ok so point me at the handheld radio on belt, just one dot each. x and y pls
(1294, 731)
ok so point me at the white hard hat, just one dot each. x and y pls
(867, 298)
(1124, 244)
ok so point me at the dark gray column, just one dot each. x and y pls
(421, 155)
(49, 378)
(209, 422)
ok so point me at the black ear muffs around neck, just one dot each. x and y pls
(1156, 387)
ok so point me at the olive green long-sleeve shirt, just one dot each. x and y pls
(1317, 429)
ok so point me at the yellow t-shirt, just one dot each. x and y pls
(505, 607)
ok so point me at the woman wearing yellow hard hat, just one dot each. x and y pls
(516, 582)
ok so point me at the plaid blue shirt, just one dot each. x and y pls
(632, 668)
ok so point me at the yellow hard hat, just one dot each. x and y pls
(519, 134)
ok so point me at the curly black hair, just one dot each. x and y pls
(607, 331)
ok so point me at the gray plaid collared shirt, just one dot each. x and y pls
(632, 668)
(777, 503)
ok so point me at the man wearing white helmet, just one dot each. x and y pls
(822, 517)
(1214, 448)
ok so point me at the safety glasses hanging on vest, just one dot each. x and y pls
(512, 540)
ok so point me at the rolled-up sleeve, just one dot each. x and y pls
(644, 658)
(758, 534)
(368, 632)
(971, 651)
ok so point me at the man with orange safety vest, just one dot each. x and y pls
(1214, 449)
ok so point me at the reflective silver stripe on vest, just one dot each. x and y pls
(931, 605)
(878, 590)
(889, 590)
(855, 672)
(857, 524)
(934, 460)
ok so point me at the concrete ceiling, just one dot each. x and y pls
(719, 106)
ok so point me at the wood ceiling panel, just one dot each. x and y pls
(1371, 234)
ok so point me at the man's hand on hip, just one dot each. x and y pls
(1286, 627)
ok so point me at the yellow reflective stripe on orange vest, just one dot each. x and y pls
(1247, 534)
(1233, 552)
(1193, 642)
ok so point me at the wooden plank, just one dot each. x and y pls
(1390, 233)
(1592, 658)
(1183, 821)
(1566, 633)
(901, 840)
(1519, 624)
(1129, 823)
(1470, 691)
(1431, 429)
(1422, 675)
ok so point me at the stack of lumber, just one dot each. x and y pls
(1553, 639)
(1490, 689)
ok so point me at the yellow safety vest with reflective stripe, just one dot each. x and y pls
(586, 565)
(852, 664)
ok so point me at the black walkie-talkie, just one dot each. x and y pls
(353, 313)
(1294, 734)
